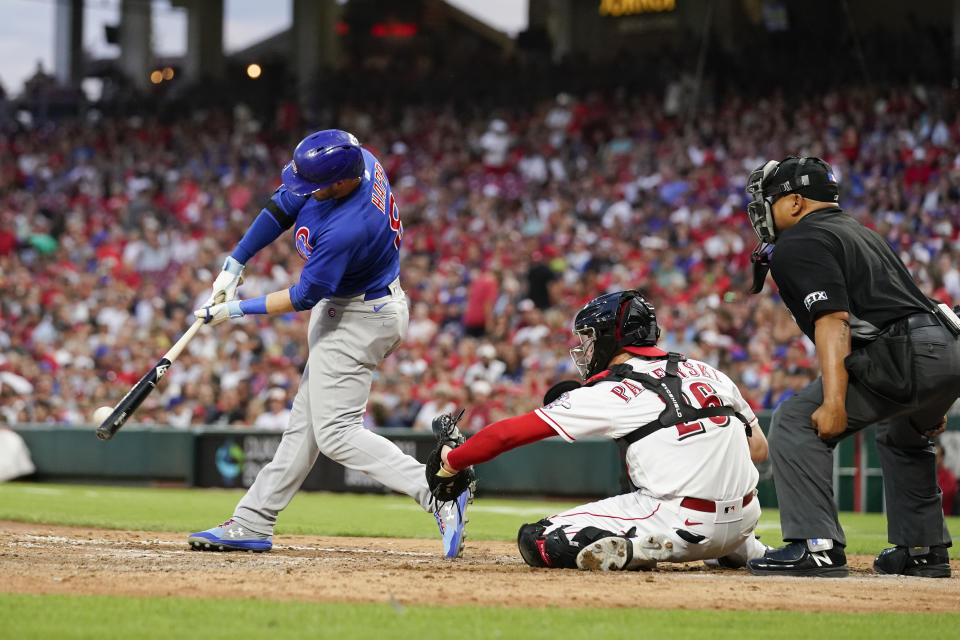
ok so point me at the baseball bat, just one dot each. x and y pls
(135, 397)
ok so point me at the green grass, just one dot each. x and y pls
(62, 617)
(335, 514)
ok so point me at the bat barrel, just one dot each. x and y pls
(140, 391)
(132, 400)
(104, 432)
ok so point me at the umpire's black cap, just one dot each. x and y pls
(810, 177)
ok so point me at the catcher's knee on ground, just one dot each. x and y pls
(540, 548)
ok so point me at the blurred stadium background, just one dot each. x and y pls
(603, 145)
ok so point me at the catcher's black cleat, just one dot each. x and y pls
(923, 562)
(796, 559)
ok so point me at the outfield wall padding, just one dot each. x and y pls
(231, 457)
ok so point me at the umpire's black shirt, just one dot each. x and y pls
(830, 262)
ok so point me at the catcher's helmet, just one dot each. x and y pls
(621, 320)
(321, 159)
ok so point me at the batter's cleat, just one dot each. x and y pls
(923, 562)
(796, 559)
(452, 519)
(614, 553)
(230, 536)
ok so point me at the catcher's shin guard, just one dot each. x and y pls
(532, 545)
(553, 548)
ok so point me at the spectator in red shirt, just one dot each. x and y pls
(481, 297)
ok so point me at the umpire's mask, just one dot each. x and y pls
(759, 210)
(810, 177)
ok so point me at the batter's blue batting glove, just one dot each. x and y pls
(219, 312)
(225, 286)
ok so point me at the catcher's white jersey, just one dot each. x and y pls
(709, 459)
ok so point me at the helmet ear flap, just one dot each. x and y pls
(637, 322)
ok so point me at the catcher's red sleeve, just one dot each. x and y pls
(500, 436)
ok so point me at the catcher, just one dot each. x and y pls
(688, 437)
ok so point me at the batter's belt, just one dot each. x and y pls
(377, 293)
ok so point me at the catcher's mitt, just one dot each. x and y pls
(443, 486)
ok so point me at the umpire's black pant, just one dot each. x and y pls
(803, 463)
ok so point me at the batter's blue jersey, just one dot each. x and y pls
(351, 245)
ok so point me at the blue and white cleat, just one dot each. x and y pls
(452, 519)
(230, 536)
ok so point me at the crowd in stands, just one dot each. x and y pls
(112, 230)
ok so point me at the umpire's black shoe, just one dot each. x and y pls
(796, 559)
(904, 561)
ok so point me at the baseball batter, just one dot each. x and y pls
(336, 197)
(695, 478)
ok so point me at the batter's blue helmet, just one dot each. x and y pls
(321, 159)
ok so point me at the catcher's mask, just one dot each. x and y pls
(810, 177)
(624, 319)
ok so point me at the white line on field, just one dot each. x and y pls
(392, 552)
(34, 541)
(112, 550)
(42, 490)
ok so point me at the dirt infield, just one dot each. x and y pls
(73, 560)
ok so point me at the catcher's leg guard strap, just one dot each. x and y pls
(554, 549)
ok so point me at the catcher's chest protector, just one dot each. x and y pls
(677, 409)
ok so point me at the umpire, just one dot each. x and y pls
(888, 355)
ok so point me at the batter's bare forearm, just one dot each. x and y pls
(832, 337)
(279, 302)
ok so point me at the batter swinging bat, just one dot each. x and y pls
(147, 384)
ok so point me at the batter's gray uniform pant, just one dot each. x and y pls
(803, 463)
(348, 339)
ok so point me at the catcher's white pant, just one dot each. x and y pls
(727, 530)
(348, 339)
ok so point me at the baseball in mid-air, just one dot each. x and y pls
(101, 414)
